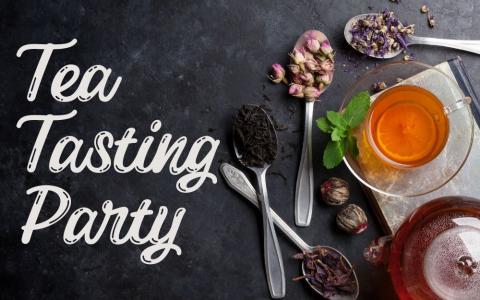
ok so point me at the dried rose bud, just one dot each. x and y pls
(294, 69)
(431, 20)
(312, 65)
(326, 48)
(313, 45)
(327, 65)
(378, 251)
(295, 78)
(321, 86)
(320, 57)
(323, 78)
(352, 219)
(297, 57)
(307, 79)
(296, 90)
(424, 9)
(335, 191)
(311, 93)
(379, 86)
(277, 73)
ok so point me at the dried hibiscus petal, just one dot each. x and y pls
(327, 271)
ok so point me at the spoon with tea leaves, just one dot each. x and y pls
(314, 56)
(382, 35)
(255, 145)
(343, 283)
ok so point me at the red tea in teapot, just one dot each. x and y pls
(436, 253)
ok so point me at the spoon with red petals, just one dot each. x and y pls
(238, 181)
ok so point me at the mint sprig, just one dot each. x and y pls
(339, 125)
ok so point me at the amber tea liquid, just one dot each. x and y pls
(408, 126)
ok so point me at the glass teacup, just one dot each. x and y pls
(403, 174)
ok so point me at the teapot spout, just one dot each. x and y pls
(378, 251)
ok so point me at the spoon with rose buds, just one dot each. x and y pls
(237, 180)
(401, 36)
(311, 72)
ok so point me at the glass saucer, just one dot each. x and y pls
(407, 182)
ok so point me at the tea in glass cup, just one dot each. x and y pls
(407, 126)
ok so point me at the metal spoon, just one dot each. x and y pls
(272, 253)
(237, 180)
(465, 45)
(304, 185)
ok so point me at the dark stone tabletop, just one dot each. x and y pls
(190, 64)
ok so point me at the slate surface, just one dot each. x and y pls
(191, 64)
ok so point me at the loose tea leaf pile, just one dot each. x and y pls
(254, 136)
(327, 271)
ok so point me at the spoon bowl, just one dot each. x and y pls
(352, 296)
(348, 37)
(300, 46)
(273, 136)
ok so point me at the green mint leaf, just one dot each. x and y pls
(357, 109)
(333, 154)
(324, 125)
(338, 134)
(352, 147)
(336, 119)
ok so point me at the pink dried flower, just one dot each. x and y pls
(324, 78)
(296, 90)
(295, 78)
(326, 65)
(294, 69)
(307, 79)
(312, 65)
(277, 74)
(326, 48)
(321, 86)
(311, 92)
(297, 57)
(313, 45)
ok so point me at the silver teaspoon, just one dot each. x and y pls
(273, 256)
(304, 185)
(237, 180)
(472, 46)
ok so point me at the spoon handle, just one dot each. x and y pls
(271, 248)
(466, 45)
(304, 188)
(237, 180)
